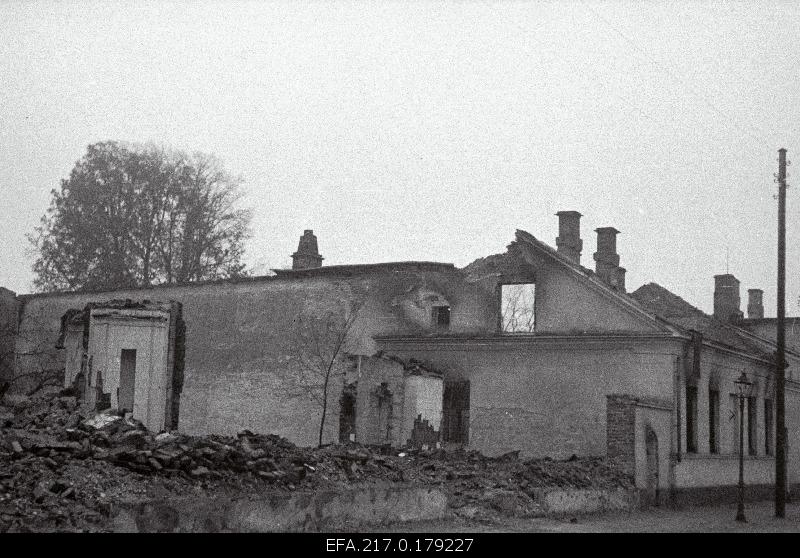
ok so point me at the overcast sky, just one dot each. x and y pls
(431, 131)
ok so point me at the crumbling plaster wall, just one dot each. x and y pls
(547, 400)
(423, 401)
(238, 334)
(112, 332)
(379, 377)
(74, 351)
(565, 303)
(410, 393)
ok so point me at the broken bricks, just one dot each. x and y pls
(38, 453)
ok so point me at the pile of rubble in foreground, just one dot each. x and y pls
(62, 469)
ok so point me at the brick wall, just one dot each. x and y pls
(621, 430)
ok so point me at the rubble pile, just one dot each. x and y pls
(62, 467)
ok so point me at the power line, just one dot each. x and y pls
(623, 98)
(676, 77)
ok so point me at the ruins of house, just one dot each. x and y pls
(521, 351)
(124, 355)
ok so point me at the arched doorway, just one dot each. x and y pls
(651, 451)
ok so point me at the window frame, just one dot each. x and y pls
(501, 312)
(713, 420)
(436, 313)
(752, 426)
(769, 427)
(691, 418)
(733, 399)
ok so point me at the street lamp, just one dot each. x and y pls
(743, 386)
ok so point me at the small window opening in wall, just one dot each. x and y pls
(455, 413)
(517, 308)
(713, 421)
(127, 379)
(752, 446)
(734, 419)
(768, 429)
(691, 419)
(441, 317)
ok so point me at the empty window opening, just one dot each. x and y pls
(455, 413)
(517, 302)
(768, 426)
(127, 379)
(441, 317)
(713, 421)
(691, 419)
(752, 446)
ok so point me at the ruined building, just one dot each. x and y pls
(521, 351)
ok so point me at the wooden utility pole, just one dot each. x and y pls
(780, 403)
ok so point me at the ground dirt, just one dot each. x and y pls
(701, 519)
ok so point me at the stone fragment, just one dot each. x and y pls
(199, 472)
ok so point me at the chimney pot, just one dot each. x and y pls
(726, 298)
(755, 304)
(568, 241)
(307, 255)
(607, 259)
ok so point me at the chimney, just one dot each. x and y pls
(307, 255)
(569, 241)
(621, 279)
(606, 257)
(755, 304)
(726, 298)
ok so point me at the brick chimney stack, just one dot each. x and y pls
(569, 241)
(607, 260)
(755, 304)
(726, 298)
(307, 255)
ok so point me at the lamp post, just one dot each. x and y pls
(743, 391)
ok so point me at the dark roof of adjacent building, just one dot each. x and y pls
(680, 313)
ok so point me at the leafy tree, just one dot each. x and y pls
(133, 216)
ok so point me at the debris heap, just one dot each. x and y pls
(62, 468)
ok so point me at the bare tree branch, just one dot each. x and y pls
(315, 353)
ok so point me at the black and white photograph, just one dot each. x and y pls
(399, 276)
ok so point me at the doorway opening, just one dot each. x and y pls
(455, 413)
(127, 379)
(651, 451)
